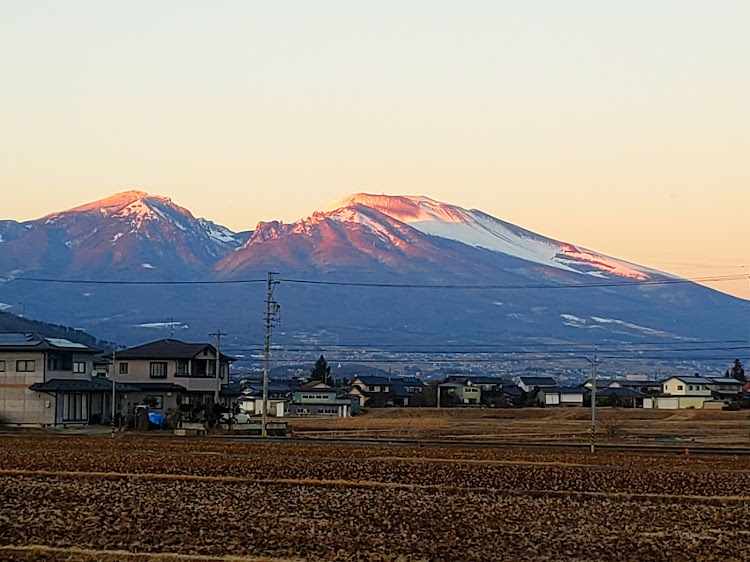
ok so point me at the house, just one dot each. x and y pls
(377, 390)
(253, 406)
(642, 386)
(548, 396)
(453, 393)
(510, 395)
(322, 400)
(571, 396)
(560, 396)
(401, 395)
(624, 396)
(413, 385)
(528, 384)
(489, 386)
(725, 388)
(602, 384)
(48, 381)
(686, 386)
(680, 392)
(170, 372)
(249, 397)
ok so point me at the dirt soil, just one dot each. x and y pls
(140, 498)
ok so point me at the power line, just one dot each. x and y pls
(468, 287)
(443, 346)
(615, 353)
(122, 282)
(484, 360)
(737, 277)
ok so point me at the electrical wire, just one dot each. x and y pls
(468, 287)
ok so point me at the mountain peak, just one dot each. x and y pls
(404, 208)
(116, 202)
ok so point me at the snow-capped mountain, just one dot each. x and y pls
(386, 240)
(122, 234)
(400, 234)
(480, 230)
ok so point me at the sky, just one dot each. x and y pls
(623, 127)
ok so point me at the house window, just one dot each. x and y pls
(690, 387)
(158, 370)
(25, 366)
(123, 368)
(75, 407)
(679, 387)
(60, 362)
(2, 366)
(182, 368)
(79, 367)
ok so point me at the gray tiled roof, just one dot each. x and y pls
(621, 393)
(538, 381)
(76, 385)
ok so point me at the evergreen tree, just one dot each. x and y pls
(737, 371)
(321, 372)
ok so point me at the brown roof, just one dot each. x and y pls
(168, 349)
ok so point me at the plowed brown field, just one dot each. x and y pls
(92, 498)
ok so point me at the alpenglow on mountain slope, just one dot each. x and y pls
(119, 235)
(529, 280)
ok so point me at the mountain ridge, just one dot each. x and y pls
(362, 238)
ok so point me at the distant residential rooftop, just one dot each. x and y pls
(14, 341)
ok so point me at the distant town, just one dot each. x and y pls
(168, 383)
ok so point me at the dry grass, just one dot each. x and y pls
(534, 425)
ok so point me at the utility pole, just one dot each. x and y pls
(112, 417)
(594, 363)
(271, 317)
(217, 392)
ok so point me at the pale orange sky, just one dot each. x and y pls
(623, 128)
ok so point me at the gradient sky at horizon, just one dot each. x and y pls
(622, 127)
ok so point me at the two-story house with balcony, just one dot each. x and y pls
(318, 399)
(725, 388)
(48, 381)
(170, 372)
(681, 392)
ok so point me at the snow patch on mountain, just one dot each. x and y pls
(574, 321)
(630, 325)
(352, 216)
(137, 212)
(217, 232)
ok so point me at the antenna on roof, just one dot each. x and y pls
(171, 327)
